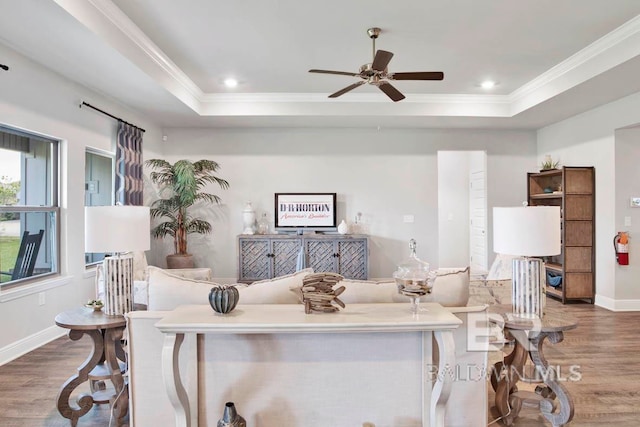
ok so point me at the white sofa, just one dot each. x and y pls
(268, 396)
(140, 283)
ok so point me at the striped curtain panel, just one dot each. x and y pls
(129, 182)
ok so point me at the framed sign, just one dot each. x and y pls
(315, 211)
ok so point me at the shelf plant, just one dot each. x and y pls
(549, 164)
(182, 183)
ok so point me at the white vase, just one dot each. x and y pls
(248, 219)
(343, 228)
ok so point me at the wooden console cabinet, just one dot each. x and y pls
(270, 255)
(573, 189)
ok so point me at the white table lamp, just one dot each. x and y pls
(527, 232)
(119, 230)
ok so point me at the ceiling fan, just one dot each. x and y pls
(376, 73)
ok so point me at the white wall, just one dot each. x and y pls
(383, 174)
(627, 175)
(453, 208)
(37, 100)
(589, 140)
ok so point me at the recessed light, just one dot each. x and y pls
(487, 84)
(230, 82)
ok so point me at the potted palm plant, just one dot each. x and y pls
(182, 182)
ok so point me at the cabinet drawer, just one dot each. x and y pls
(578, 208)
(321, 255)
(578, 285)
(578, 259)
(578, 180)
(353, 259)
(254, 262)
(285, 256)
(578, 233)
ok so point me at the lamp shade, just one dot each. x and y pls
(117, 228)
(527, 231)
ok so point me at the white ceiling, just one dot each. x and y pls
(166, 58)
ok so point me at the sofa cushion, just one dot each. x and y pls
(192, 273)
(273, 291)
(167, 291)
(369, 292)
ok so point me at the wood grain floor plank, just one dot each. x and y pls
(606, 350)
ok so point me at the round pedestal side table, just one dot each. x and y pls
(529, 336)
(104, 363)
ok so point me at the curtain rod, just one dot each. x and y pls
(110, 115)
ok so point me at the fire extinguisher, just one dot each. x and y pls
(621, 246)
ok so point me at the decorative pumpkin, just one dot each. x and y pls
(223, 298)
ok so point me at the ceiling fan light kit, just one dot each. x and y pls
(377, 74)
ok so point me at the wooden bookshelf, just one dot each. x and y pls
(571, 188)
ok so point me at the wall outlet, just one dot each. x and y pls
(41, 298)
(407, 219)
(627, 221)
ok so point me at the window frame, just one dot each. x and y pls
(54, 191)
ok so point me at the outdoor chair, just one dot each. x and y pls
(27, 254)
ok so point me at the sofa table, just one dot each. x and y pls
(529, 336)
(103, 363)
(382, 323)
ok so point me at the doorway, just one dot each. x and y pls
(462, 210)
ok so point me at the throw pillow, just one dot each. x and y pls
(167, 291)
(451, 288)
(273, 291)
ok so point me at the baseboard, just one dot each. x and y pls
(25, 345)
(618, 304)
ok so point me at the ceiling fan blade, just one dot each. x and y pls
(418, 75)
(391, 91)
(346, 89)
(342, 73)
(381, 60)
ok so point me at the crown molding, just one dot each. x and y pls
(109, 22)
(603, 44)
(353, 98)
(129, 29)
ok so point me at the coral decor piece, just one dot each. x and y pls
(318, 294)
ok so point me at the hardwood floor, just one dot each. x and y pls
(29, 386)
(605, 348)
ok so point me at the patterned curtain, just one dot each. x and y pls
(129, 182)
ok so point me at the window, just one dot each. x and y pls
(98, 186)
(29, 210)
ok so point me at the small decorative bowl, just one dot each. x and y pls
(95, 304)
